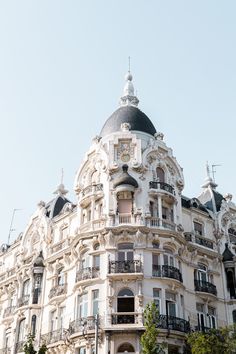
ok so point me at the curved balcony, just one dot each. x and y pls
(198, 239)
(9, 311)
(172, 323)
(53, 337)
(161, 223)
(93, 189)
(166, 271)
(205, 287)
(162, 186)
(24, 300)
(134, 266)
(82, 325)
(57, 291)
(87, 273)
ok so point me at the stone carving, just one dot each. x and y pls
(109, 238)
(125, 127)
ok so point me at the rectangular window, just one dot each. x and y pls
(61, 318)
(95, 295)
(83, 306)
(96, 261)
(53, 321)
(82, 350)
(198, 228)
(212, 317)
(171, 303)
(155, 266)
(157, 298)
(164, 212)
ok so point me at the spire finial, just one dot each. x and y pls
(129, 98)
(62, 175)
(61, 188)
(208, 170)
(209, 181)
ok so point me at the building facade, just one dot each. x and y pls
(82, 273)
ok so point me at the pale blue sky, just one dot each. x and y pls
(62, 66)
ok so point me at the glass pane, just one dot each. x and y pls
(171, 308)
(165, 259)
(121, 256)
(130, 256)
(96, 261)
(125, 246)
(172, 261)
(95, 307)
(155, 259)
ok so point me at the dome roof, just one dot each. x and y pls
(125, 178)
(128, 114)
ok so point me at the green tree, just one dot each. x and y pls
(149, 337)
(29, 347)
(215, 341)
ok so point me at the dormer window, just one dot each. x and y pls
(198, 228)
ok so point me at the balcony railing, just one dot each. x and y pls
(19, 347)
(161, 186)
(205, 287)
(57, 290)
(173, 323)
(162, 223)
(125, 218)
(200, 240)
(82, 325)
(166, 271)
(9, 311)
(5, 350)
(53, 336)
(124, 318)
(204, 242)
(125, 266)
(92, 189)
(87, 273)
(24, 300)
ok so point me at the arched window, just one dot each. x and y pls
(160, 175)
(125, 305)
(21, 331)
(33, 325)
(125, 348)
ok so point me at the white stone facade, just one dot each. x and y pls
(131, 238)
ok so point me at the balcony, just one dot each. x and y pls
(162, 223)
(162, 187)
(205, 287)
(5, 350)
(166, 271)
(94, 189)
(24, 300)
(124, 318)
(87, 273)
(125, 267)
(19, 348)
(173, 323)
(200, 240)
(82, 325)
(53, 337)
(9, 311)
(57, 290)
(125, 218)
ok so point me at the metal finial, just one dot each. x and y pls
(129, 63)
(62, 175)
(208, 169)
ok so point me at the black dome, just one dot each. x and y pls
(128, 114)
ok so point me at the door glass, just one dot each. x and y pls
(130, 256)
(172, 309)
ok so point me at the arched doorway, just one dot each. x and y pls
(125, 348)
(125, 304)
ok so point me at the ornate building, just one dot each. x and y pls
(82, 273)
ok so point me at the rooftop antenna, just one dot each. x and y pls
(213, 170)
(11, 229)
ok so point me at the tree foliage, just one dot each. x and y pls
(215, 341)
(29, 347)
(149, 337)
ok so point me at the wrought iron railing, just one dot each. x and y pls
(166, 271)
(57, 290)
(82, 325)
(87, 273)
(124, 318)
(205, 286)
(9, 311)
(23, 300)
(173, 323)
(19, 347)
(204, 242)
(134, 266)
(162, 185)
(53, 336)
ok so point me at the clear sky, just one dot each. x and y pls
(62, 67)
